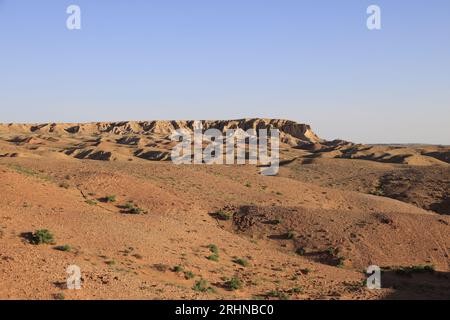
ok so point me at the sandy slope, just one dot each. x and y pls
(306, 233)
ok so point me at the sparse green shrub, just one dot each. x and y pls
(340, 262)
(378, 191)
(59, 296)
(65, 247)
(213, 248)
(332, 251)
(296, 290)
(177, 269)
(110, 198)
(133, 209)
(241, 261)
(42, 236)
(233, 284)
(202, 286)
(110, 262)
(300, 251)
(337, 259)
(223, 215)
(189, 275)
(91, 202)
(306, 271)
(290, 235)
(277, 294)
(213, 257)
(136, 210)
(129, 205)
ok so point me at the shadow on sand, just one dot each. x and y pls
(433, 285)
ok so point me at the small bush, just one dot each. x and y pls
(202, 286)
(233, 284)
(241, 261)
(378, 191)
(59, 296)
(132, 209)
(213, 248)
(42, 236)
(110, 198)
(333, 251)
(306, 271)
(300, 251)
(213, 257)
(135, 210)
(129, 205)
(65, 247)
(340, 262)
(177, 269)
(337, 259)
(277, 294)
(296, 290)
(290, 235)
(189, 275)
(91, 202)
(223, 215)
(110, 262)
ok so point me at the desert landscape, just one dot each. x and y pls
(107, 198)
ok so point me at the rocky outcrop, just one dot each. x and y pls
(291, 132)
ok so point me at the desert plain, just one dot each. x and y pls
(140, 227)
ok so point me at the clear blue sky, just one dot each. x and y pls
(312, 61)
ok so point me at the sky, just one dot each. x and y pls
(312, 61)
